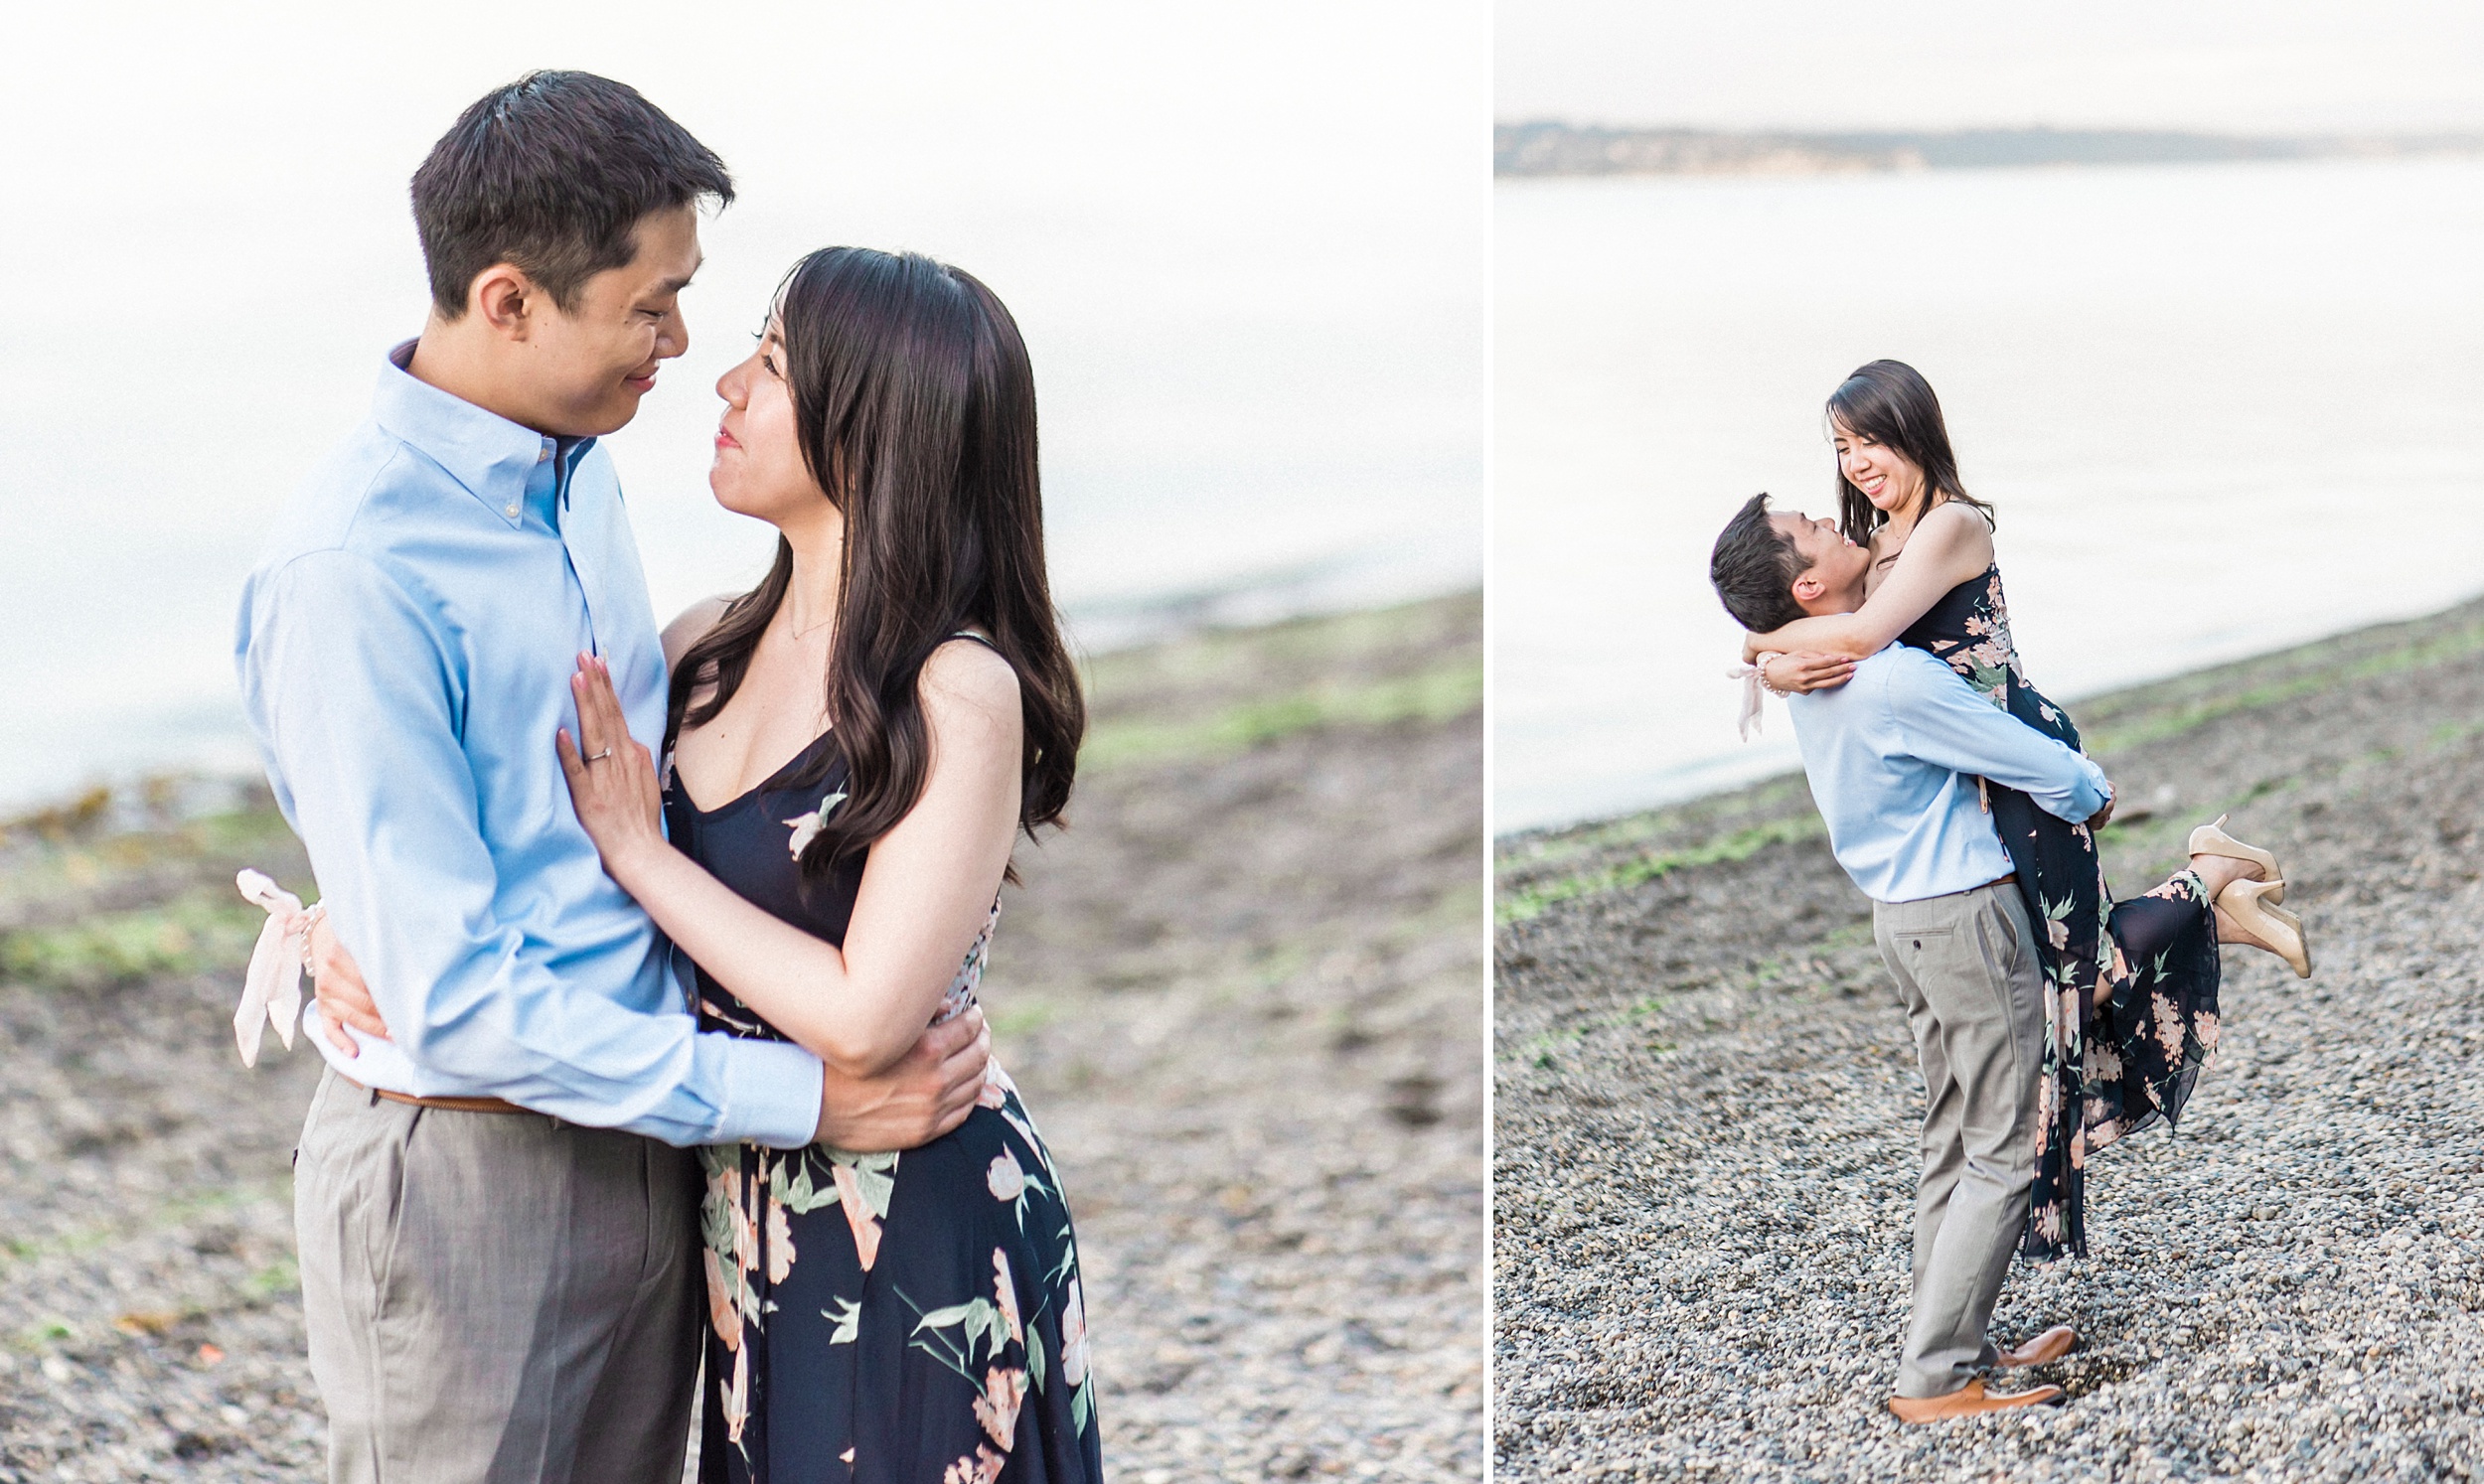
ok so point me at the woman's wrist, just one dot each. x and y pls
(1761, 663)
(633, 861)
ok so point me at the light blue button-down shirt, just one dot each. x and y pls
(1893, 755)
(405, 646)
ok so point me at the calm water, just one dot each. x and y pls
(2220, 409)
(1257, 321)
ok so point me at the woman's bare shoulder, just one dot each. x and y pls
(1956, 519)
(972, 672)
(691, 627)
(1956, 528)
(968, 685)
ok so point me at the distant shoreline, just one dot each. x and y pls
(1544, 866)
(1769, 758)
(212, 739)
(1349, 582)
(1550, 147)
(1201, 634)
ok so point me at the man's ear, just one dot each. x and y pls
(1808, 588)
(503, 297)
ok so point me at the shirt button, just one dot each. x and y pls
(510, 510)
(543, 453)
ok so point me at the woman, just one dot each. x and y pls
(2132, 1016)
(853, 748)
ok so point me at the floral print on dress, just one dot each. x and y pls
(807, 827)
(757, 1236)
(2131, 1003)
(881, 1316)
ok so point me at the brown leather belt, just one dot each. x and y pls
(454, 1104)
(2009, 880)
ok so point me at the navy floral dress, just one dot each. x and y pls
(885, 1318)
(2131, 1013)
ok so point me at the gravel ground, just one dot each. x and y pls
(1243, 996)
(1705, 1102)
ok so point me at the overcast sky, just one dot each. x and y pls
(1247, 246)
(2245, 65)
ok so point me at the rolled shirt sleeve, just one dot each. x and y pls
(1943, 722)
(361, 706)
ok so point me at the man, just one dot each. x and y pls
(496, 1209)
(1893, 755)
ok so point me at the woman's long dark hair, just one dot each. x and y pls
(1890, 404)
(916, 411)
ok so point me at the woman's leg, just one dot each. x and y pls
(2169, 913)
(2144, 925)
(2215, 874)
(2157, 1015)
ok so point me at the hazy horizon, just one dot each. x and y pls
(2288, 66)
(1755, 132)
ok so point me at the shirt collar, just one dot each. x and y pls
(490, 456)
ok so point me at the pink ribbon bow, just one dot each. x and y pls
(1754, 678)
(271, 992)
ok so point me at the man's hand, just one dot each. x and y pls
(915, 1102)
(343, 999)
(1806, 671)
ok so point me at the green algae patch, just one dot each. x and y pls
(1435, 695)
(1530, 901)
(1221, 692)
(195, 932)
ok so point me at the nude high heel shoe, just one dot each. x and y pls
(2212, 839)
(2245, 904)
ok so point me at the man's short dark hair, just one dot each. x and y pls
(552, 172)
(1753, 568)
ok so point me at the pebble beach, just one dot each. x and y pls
(1243, 996)
(1705, 1103)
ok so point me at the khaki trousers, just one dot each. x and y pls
(1966, 969)
(494, 1297)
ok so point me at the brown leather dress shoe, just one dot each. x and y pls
(2041, 1350)
(1969, 1401)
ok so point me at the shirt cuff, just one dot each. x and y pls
(2090, 793)
(771, 1094)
